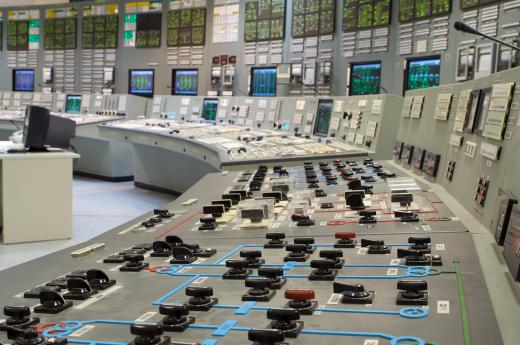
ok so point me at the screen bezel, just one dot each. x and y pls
(252, 79)
(323, 101)
(67, 103)
(415, 59)
(146, 95)
(174, 79)
(204, 103)
(22, 70)
(351, 73)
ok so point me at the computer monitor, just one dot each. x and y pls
(35, 128)
(365, 78)
(73, 104)
(185, 82)
(209, 109)
(263, 82)
(23, 80)
(141, 82)
(60, 131)
(421, 73)
(323, 115)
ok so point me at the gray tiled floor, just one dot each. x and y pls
(98, 206)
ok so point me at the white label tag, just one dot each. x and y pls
(362, 250)
(392, 272)
(440, 246)
(146, 316)
(335, 298)
(82, 331)
(443, 307)
(395, 262)
(200, 280)
(371, 342)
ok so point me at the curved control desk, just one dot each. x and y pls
(168, 161)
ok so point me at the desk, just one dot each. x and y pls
(36, 196)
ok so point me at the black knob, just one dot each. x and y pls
(266, 336)
(134, 258)
(403, 253)
(366, 243)
(283, 317)
(161, 246)
(304, 240)
(331, 254)
(354, 185)
(26, 337)
(237, 264)
(367, 214)
(258, 283)
(322, 265)
(78, 286)
(175, 314)
(95, 276)
(200, 292)
(17, 312)
(419, 240)
(351, 290)
(296, 248)
(251, 255)
(412, 285)
(146, 330)
(51, 299)
(270, 272)
(173, 240)
(275, 236)
(182, 253)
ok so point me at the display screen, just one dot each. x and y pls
(186, 27)
(323, 115)
(209, 109)
(465, 4)
(23, 80)
(417, 158)
(482, 110)
(73, 104)
(313, 18)
(141, 82)
(410, 10)
(100, 32)
(365, 79)
(148, 30)
(431, 163)
(185, 81)
(364, 14)
(60, 33)
(17, 35)
(265, 20)
(422, 73)
(406, 154)
(263, 81)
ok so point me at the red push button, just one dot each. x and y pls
(299, 295)
(345, 235)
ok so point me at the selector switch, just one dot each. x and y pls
(148, 334)
(51, 302)
(413, 292)
(266, 337)
(238, 269)
(79, 289)
(182, 256)
(345, 240)
(323, 270)
(354, 293)
(333, 255)
(275, 275)
(134, 263)
(161, 249)
(308, 241)
(285, 320)
(375, 246)
(367, 217)
(253, 257)
(259, 290)
(422, 244)
(301, 300)
(176, 318)
(297, 252)
(99, 279)
(19, 317)
(200, 298)
(418, 258)
(275, 240)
